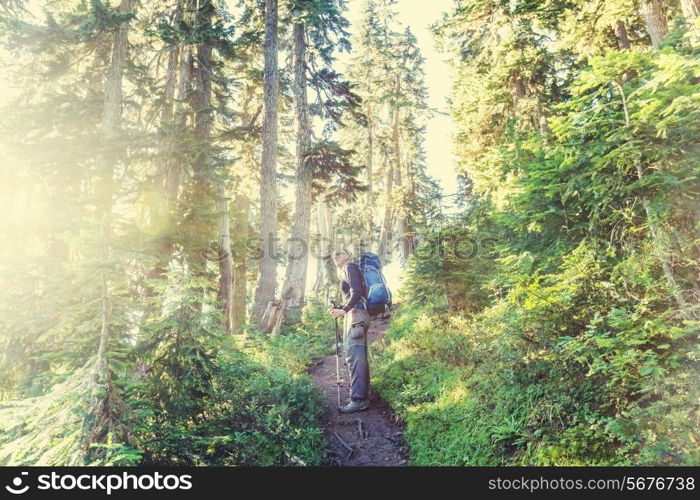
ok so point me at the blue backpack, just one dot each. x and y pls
(377, 292)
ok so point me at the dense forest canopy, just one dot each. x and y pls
(176, 173)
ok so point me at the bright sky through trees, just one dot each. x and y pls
(413, 14)
(419, 16)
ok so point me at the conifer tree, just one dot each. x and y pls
(105, 401)
(265, 290)
(323, 25)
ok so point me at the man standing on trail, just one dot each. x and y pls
(357, 321)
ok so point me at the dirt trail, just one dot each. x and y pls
(381, 442)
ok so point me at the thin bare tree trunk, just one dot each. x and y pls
(298, 254)
(408, 242)
(225, 296)
(385, 235)
(241, 226)
(180, 121)
(240, 270)
(268, 182)
(400, 218)
(370, 157)
(171, 179)
(654, 16)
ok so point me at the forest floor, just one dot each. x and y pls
(373, 437)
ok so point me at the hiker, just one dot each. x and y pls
(355, 328)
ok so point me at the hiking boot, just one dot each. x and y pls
(354, 406)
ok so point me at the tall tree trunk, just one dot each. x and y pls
(326, 267)
(241, 227)
(203, 170)
(268, 180)
(320, 247)
(178, 156)
(328, 213)
(691, 9)
(408, 241)
(240, 270)
(166, 112)
(623, 41)
(105, 406)
(385, 235)
(329, 267)
(519, 91)
(655, 18)
(298, 248)
(400, 216)
(111, 121)
(168, 175)
(201, 193)
(370, 158)
(225, 295)
(171, 176)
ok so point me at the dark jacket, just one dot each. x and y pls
(352, 286)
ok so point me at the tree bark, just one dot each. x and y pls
(408, 241)
(105, 406)
(203, 170)
(268, 182)
(400, 217)
(654, 16)
(298, 248)
(518, 92)
(225, 295)
(166, 112)
(385, 235)
(240, 270)
(169, 172)
(320, 247)
(326, 267)
(111, 121)
(202, 190)
(623, 41)
(370, 159)
(329, 266)
(241, 227)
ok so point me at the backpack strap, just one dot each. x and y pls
(363, 297)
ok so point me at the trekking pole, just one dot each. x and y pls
(337, 354)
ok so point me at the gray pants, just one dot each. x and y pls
(355, 350)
